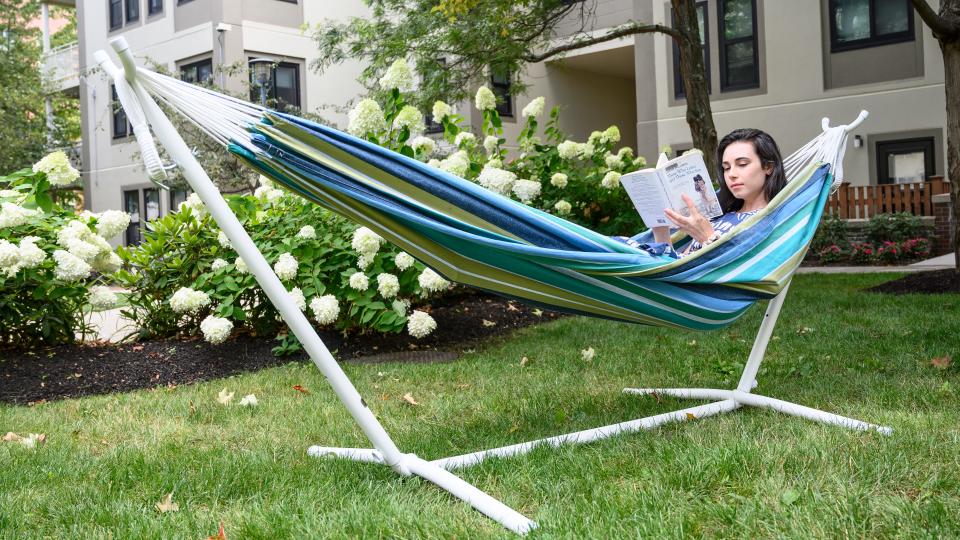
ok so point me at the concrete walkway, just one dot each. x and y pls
(942, 262)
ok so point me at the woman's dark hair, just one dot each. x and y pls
(769, 154)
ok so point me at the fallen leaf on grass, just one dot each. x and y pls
(588, 354)
(300, 389)
(691, 416)
(537, 312)
(488, 323)
(224, 397)
(513, 428)
(32, 440)
(942, 362)
(511, 307)
(692, 343)
(193, 409)
(221, 534)
(523, 361)
(167, 504)
(789, 497)
(804, 330)
(408, 397)
(249, 400)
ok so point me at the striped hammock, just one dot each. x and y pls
(474, 236)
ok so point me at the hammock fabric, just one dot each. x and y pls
(482, 239)
(473, 236)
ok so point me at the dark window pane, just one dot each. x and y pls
(198, 72)
(119, 116)
(737, 19)
(852, 20)
(286, 85)
(740, 66)
(133, 10)
(500, 82)
(154, 7)
(131, 203)
(679, 90)
(892, 16)
(116, 14)
(178, 196)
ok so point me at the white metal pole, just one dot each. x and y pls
(760, 344)
(258, 265)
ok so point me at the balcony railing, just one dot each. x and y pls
(60, 67)
(862, 202)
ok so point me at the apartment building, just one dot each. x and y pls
(773, 64)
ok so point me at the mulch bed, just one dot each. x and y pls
(29, 377)
(931, 282)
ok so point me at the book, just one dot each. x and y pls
(653, 190)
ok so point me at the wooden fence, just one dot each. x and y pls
(861, 202)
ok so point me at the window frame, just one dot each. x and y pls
(928, 145)
(116, 112)
(723, 43)
(505, 108)
(110, 22)
(196, 64)
(127, 4)
(873, 41)
(154, 9)
(679, 92)
(272, 91)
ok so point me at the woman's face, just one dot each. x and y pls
(744, 174)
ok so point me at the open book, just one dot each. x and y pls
(652, 190)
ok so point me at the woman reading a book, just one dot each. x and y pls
(752, 172)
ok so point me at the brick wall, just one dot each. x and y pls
(944, 224)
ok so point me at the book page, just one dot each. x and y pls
(688, 175)
(646, 191)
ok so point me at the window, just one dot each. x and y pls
(116, 14)
(283, 88)
(121, 128)
(197, 72)
(905, 161)
(133, 10)
(178, 196)
(143, 206)
(857, 24)
(739, 62)
(500, 81)
(679, 91)
(154, 7)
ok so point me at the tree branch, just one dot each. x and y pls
(943, 29)
(621, 31)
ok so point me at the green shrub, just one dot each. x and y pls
(831, 254)
(895, 228)
(831, 232)
(862, 253)
(51, 260)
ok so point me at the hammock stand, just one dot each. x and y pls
(144, 113)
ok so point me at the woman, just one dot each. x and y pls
(752, 172)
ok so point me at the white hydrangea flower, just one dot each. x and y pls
(440, 111)
(265, 181)
(363, 261)
(423, 145)
(457, 163)
(223, 240)
(10, 194)
(286, 267)
(58, 168)
(112, 223)
(586, 150)
(485, 100)
(595, 137)
(497, 180)
(107, 262)
(218, 264)
(216, 330)
(611, 135)
(14, 215)
(465, 139)
(562, 207)
(297, 295)
(403, 260)
(625, 151)
(693, 151)
(420, 324)
(30, 254)
(398, 76)
(325, 309)
(187, 300)
(568, 149)
(431, 281)
(612, 161)
(73, 230)
(611, 180)
(400, 307)
(559, 180)
(409, 117)
(102, 298)
(526, 190)
(83, 250)
(307, 232)
(241, 266)
(435, 163)
(534, 108)
(196, 206)
(366, 242)
(388, 285)
(490, 143)
(9, 257)
(268, 194)
(666, 149)
(366, 117)
(70, 267)
(495, 163)
(359, 281)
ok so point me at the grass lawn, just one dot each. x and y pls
(751, 473)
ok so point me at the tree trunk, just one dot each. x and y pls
(951, 74)
(699, 114)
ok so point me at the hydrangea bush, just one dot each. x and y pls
(579, 181)
(185, 277)
(53, 262)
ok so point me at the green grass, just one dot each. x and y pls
(750, 473)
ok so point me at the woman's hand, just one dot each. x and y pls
(697, 226)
